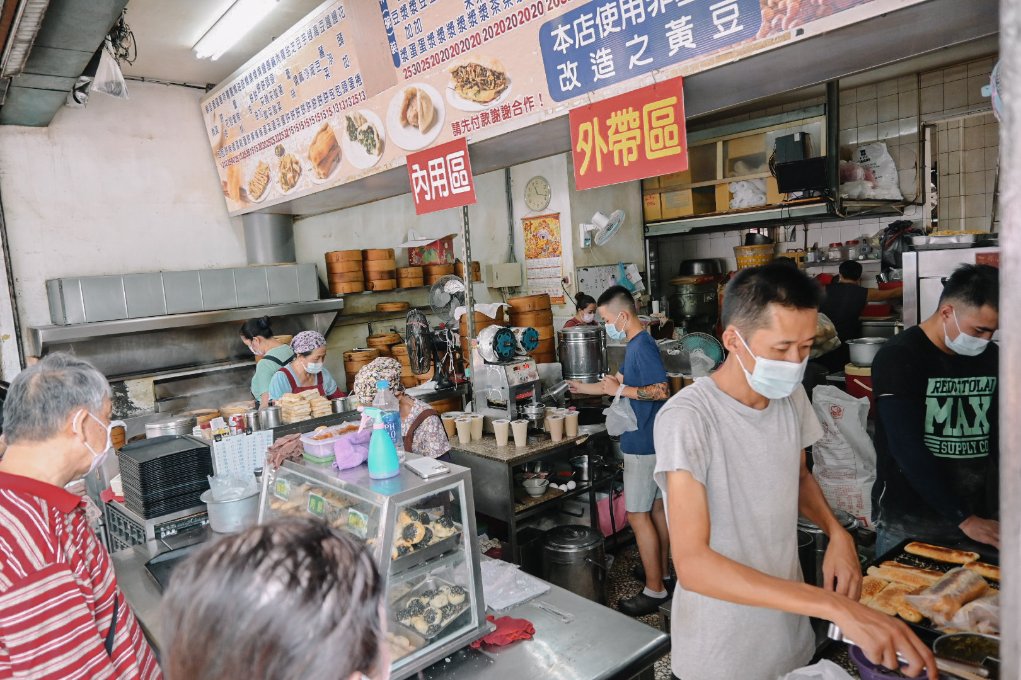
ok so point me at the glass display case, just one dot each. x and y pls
(422, 535)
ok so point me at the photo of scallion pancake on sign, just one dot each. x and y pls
(324, 152)
(364, 140)
(477, 84)
(415, 116)
(258, 183)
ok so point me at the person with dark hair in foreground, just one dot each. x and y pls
(730, 460)
(936, 388)
(290, 599)
(272, 355)
(644, 383)
(844, 303)
(585, 315)
(62, 614)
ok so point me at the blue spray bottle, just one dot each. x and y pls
(383, 462)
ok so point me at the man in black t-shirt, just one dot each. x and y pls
(936, 389)
(844, 302)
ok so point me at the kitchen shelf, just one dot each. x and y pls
(836, 263)
(529, 506)
(373, 317)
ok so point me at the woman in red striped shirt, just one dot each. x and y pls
(61, 612)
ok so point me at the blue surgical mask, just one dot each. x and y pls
(314, 368)
(964, 344)
(615, 333)
(771, 378)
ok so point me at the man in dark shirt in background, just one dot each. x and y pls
(645, 385)
(936, 395)
(844, 303)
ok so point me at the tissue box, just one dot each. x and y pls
(440, 251)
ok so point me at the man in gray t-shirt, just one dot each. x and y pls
(730, 461)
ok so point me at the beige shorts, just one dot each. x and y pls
(640, 488)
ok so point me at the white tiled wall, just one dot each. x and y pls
(891, 111)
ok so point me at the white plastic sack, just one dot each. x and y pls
(824, 670)
(845, 459)
(620, 417)
(876, 158)
(109, 79)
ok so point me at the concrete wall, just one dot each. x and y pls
(117, 187)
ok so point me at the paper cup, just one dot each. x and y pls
(476, 430)
(520, 429)
(571, 423)
(449, 423)
(556, 427)
(464, 429)
(501, 428)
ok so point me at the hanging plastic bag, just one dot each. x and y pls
(109, 79)
(611, 512)
(845, 458)
(620, 417)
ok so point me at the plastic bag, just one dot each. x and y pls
(942, 600)
(824, 670)
(880, 167)
(845, 458)
(896, 238)
(979, 616)
(604, 504)
(620, 417)
(228, 488)
(109, 79)
(701, 363)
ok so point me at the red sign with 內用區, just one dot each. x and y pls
(441, 177)
(631, 136)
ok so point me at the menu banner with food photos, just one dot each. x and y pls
(355, 87)
(441, 177)
(631, 136)
(544, 256)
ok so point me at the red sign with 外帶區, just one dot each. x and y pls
(631, 136)
(441, 177)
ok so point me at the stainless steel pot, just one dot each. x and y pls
(812, 556)
(864, 350)
(341, 404)
(583, 353)
(252, 419)
(573, 558)
(269, 417)
(535, 413)
(585, 467)
(230, 517)
(168, 426)
(694, 299)
(700, 267)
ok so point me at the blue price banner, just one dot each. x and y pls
(604, 42)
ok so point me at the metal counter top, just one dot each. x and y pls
(538, 446)
(599, 643)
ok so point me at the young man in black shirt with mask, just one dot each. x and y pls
(936, 387)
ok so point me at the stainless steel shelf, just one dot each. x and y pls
(47, 335)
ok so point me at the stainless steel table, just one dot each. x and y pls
(599, 643)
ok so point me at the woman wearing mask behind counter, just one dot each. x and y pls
(306, 372)
(272, 355)
(586, 314)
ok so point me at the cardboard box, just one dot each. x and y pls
(650, 183)
(676, 204)
(773, 195)
(723, 196)
(652, 207)
(676, 179)
(746, 146)
(440, 251)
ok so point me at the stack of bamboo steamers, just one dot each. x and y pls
(354, 271)
(536, 311)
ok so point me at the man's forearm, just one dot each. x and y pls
(654, 392)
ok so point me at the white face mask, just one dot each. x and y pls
(100, 456)
(588, 317)
(313, 368)
(964, 344)
(771, 378)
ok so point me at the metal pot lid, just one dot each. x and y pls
(582, 330)
(572, 538)
(846, 519)
(173, 421)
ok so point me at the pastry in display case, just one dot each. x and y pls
(422, 535)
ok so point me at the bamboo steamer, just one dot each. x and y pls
(410, 272)
(448, 404)
(344, 255)
(529, 303)
(535, 319)
(381, 284)
(381, 340)
(476, 270)
(345, 288)
(393, 307)
(546, 333)
(410, 283)
(400, 351)
(389, 274)
(437, 270)
(354, 359)
(343, 266)
(380, 265)
(430, 280)
(378, 254)
(545, 347)
(548, 358)
(482, 318)
(346, 277)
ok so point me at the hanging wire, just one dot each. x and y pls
(121, 42)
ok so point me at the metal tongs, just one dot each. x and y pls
(959, 669)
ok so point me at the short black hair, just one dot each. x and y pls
(850, 269)
(976, 285)
(785, 261)
(256, 328)
(583, 300)
(747, 297)
(618, 295)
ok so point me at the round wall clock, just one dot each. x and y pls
(537, 193)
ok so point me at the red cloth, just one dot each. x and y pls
(57, 592)
(508, 630)
(107, 495)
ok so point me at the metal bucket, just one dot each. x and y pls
(230, 517)
(269, 417)
(582, 353)
(573, 558)
(694, 299)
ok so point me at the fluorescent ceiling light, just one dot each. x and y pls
(240, 18)
(27, 22)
